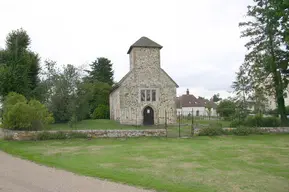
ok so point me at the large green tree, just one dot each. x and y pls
(19, 66)
(267, 52)
(61, 88)
(92, 95)
(216, 97)
(226, 109)
(101, 71)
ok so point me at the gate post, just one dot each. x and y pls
(179, 124)
(166, 127)
(192, 129)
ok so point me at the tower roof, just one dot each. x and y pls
(144, 42)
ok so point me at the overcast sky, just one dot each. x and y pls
(201, 41)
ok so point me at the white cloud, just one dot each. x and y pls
(201, 39)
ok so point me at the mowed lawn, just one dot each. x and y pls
(109, 124)
(199, 164)
(91, 124)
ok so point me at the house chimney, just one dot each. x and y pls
(188, 92)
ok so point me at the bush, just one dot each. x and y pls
(210, 131)
(260, 121)
(72, 122)
(271, 122)
(59, 135)
(40, 112)
(101, 112)
(257, 121)
(242, 131)
(235, 123)
(20, 115)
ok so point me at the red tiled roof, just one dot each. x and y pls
(189, 100)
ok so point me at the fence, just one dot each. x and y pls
(187, 124)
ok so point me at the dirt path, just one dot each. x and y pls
(17, 175)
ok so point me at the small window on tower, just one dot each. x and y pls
(143, 96)
(148, 95)
(153, 95)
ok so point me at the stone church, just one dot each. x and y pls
(146, 92)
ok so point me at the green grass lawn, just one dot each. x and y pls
(199, 164)
(92, 124)
(207, 122)
(109, 124)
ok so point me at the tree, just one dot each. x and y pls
(267, 49)
(216, 97)
(209, 109)
(101, 71)
(226, 109)
(94, 94)
(242, 89)
(201, 98)
(19, 67)
(61, 87)
(260, 101)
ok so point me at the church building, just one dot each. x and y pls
(146, 92)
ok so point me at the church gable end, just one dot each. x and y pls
(147, 90)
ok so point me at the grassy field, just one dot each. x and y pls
(92, 124)
(207, 122)
(201, 164)
(109, 124)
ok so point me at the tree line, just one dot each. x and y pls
(70, 93)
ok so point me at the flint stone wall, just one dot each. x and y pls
(264, 129)
(30, 135)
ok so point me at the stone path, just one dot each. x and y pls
(17, 175)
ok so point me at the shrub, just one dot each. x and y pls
(260, 121)
(210, 131)
(60, 135)
(40, 112)
(242, 131)
(235, 123)
(216, 125)
(271, 122)
(257, 121)
(101, 112)
(12, 98)
(72, 122)
(20, 115)
(50, 136)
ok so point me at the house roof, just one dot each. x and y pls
(144, 42)
(189, 100)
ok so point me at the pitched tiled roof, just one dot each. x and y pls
(145, 42)
(189, 100)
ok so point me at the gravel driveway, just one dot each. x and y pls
(17, 175)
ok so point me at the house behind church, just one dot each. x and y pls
(146, 92)
(189, 104)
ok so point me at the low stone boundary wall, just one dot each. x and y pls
(264, 129)
(269, 129)
(29, 135)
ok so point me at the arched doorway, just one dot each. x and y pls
(148, 116)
